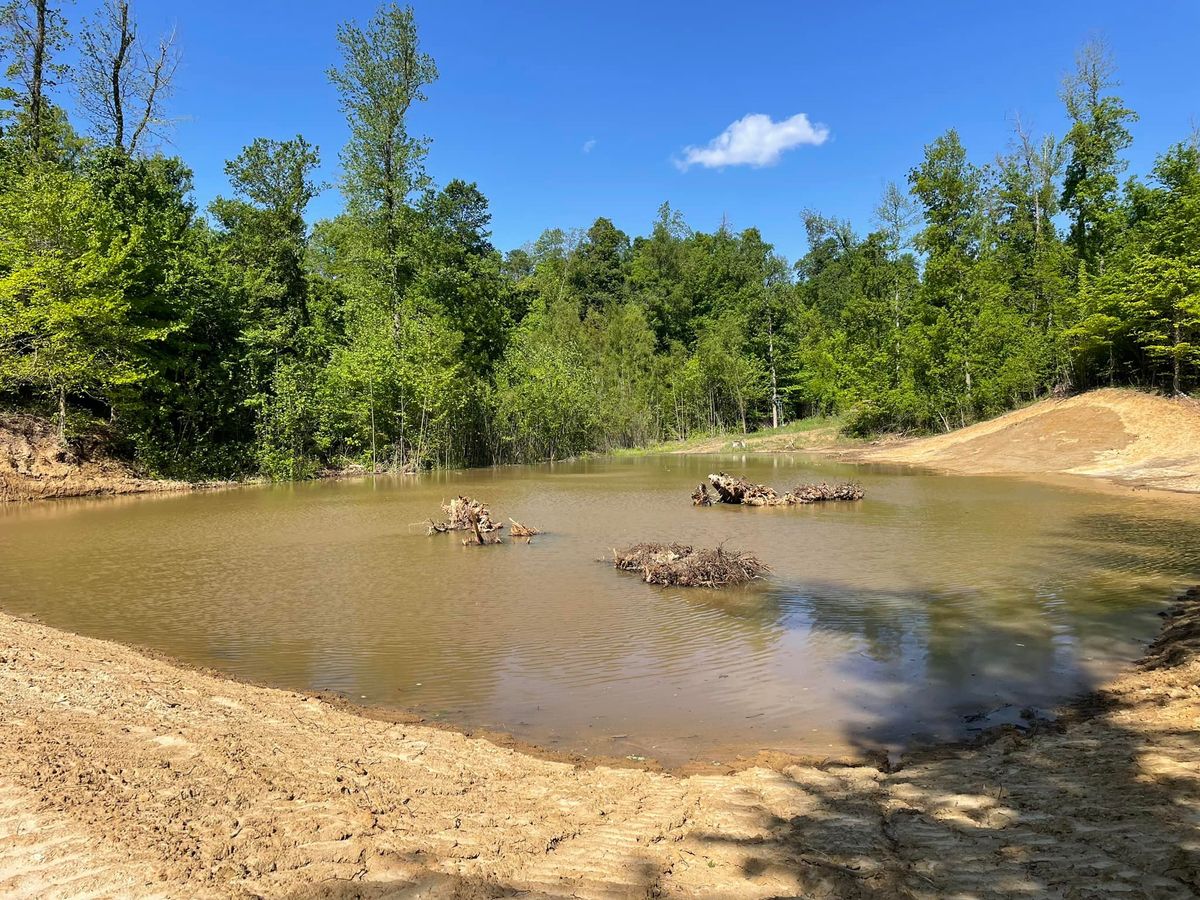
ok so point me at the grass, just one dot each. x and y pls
(763, 438)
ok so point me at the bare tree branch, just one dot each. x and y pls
(122, 81)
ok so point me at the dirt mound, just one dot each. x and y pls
(1129, 436)
(34, 465)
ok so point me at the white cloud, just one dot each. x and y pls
(588, 145)
(754, 140)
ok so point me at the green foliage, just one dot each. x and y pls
(70, 323)
(395, 335)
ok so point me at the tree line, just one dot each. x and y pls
(240, 339)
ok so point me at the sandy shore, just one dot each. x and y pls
(121, 775)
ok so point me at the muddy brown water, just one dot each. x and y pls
(935, 607)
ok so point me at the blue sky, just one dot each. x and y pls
(566, 111)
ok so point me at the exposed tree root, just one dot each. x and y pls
(465, 514)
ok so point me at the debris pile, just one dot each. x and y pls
(819, 493)
(464, 514)
(467, 514)
(737, 490)
(685, 566)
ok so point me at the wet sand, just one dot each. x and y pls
(124, 775)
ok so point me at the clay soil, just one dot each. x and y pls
(35, 465)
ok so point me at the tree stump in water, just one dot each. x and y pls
(700, 496)
(734, 489)
(465, 514)
(818, 493)
(482, 538)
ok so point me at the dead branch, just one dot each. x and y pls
(517, 530)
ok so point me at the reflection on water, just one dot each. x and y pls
(908, 614)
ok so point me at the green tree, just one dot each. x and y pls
(33, 33)
(1099, 133)
(67, 327)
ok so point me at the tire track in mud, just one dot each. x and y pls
(44, 854)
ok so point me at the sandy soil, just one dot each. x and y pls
(35, 466)
(125, 776)
(1127, 436)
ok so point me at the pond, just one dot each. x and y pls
(936, 606)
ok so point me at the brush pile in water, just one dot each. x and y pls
(818, 493)
(463, 514)
(737, 490)
(685, 566)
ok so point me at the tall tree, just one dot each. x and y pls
(1099, 133)
(66, 323)
(951, 191)
(123, 82)
(598, 275)
(1148, 299)
(383, 72)
(34, 32)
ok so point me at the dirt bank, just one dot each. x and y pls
(34, 465)
(122, 775)
(1130, 437)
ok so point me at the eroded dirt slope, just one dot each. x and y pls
(122, 775)
(1125, 435)
(34, 465)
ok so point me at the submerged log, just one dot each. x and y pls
(737, 490)
(685, 566)
(700, 496)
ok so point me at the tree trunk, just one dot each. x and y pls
(62, 415)
(36, 77)
(374, 458)
(1177, 368)
(125, 40)
(774, 381)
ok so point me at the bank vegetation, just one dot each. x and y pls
(237, 339)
